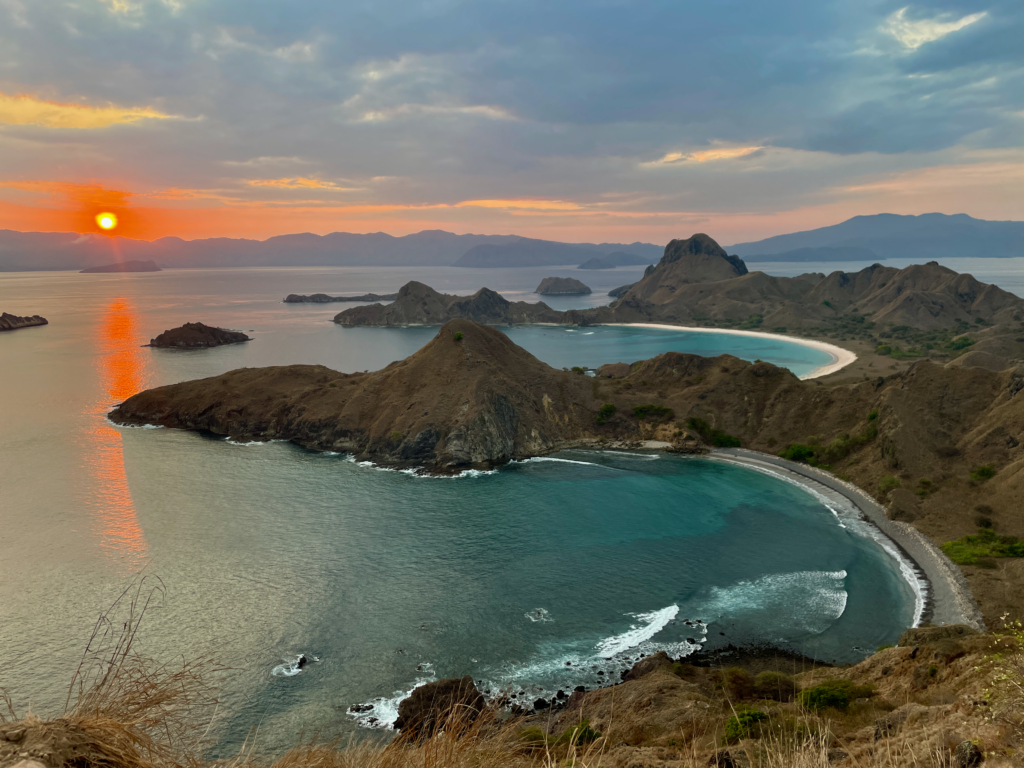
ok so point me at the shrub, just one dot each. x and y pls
(657, 412)
(715, 437)
(984, 472)
(775, 685)
(873, 415)
(736, 682)
(883, 349)
(605, 412)
(887, 483)
(580, 371)
(459, 336)
(581, 733)
(798, 452)
(833, 693)
(534, 736)
(986, 543)
(743, 723)
(396, 436)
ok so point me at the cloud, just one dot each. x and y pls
(485, 111)
(533, 205)
(72, 195)
(914, 34)
(703, 156)
(300, 183)
(29, 110)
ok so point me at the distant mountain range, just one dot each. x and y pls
(887, 235)
(27, 251)
(862, 238)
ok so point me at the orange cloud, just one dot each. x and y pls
(301, 183)
(29, 110)
(536, 205)
(703, 156)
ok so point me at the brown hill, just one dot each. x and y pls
(419, 304)
(696, 260)
(13, 322)
(197, 336)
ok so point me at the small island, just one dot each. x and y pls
(613, 260)
(125, 266)
(562, 286)
(323, 298)
(13, 322)
(197, 336)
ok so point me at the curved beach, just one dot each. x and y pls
(840, 357)
(946, 597)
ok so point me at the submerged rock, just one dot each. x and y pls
(13, 322)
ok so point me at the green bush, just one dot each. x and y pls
(984, 472)
(605, 412)
(887, 483)
(743, 724)
(715, 437)
(657, 412)
(833, 693)
(775, 685)
(873, 415)
(458, 336)
(396, 436)
(580, 371)
(986, 543)
(883, 349)
(581, 733)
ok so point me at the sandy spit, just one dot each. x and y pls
(948, 597)
(840, 357)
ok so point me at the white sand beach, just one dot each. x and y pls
(840, 357)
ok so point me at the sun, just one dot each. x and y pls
(106, 220)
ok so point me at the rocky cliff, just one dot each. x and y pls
(419, 304)
(13, 322)
(197, 336)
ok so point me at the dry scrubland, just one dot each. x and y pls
(946, 696)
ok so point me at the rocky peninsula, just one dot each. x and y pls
(562, 286)
(197, 336)
(323, 298)
(14, 322)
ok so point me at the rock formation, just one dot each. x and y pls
(323, 298)
(13, 322)
(197, 336)
(440, 704)
(614, 259)
(419, 304)
(620, 291)
(126, 266)
(560, 286)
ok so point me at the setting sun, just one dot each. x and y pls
(106, 220)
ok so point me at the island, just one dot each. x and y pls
(323, 298)
(14, 322)
(125, 266)
(562, 286)
(197, 336)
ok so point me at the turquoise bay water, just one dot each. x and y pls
(268, 551)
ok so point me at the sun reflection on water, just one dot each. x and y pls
(121, 366)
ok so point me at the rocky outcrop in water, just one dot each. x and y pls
(14, 322)
(419, 304)
(126, 266)
(197, 336)
(323, 298)
(453, 702)
(562, 286)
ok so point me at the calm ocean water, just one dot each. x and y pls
(268, 551)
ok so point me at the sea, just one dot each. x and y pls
(541, 576)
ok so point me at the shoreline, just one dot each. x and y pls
(947, 598)
(841, 357)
